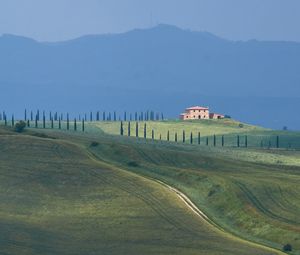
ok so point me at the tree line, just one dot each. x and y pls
(195, 137)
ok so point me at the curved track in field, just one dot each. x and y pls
(204, 217)
(156, 205)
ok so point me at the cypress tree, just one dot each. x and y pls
(129, 128)
(91, 116)
(68, 123)
(136, 116)
(31, 115)
(121, 129)
(28, 123)
(183, 136)
(176, 137)
(277, 142)
(152, 134)
(137, 129)
(160, 137)
(125, 116)
(36, 121)
(13, 120)
(50, 115)
(199, 138)
(103, 116)
(38, 115)
(115, 116)
(168, 136)
(75, 125)
(246, 141)
(223, 140)
(162, 116)
(25, 115)
(145, 130)
(83, 127)
(191, 138)
(59, 123)
(5, 120)
(130, 117)
(109, 116)
(207, 141)
(52, 123)
(238, 141)
(44, 121)
(215, 140)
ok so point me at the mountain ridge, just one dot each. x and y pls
(153, 64)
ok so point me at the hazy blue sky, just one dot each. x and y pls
(53, 20)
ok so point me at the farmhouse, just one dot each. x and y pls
(216, 116)
(198, 113)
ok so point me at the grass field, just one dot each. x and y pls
(228, 128)
(92, 193)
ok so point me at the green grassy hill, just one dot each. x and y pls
(227, 128)
(206, 127)
(92, 193)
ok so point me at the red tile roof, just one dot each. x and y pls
(197, 108)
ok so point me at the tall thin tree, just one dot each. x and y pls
(137, 129)
(129, 128)
(145, 130)
(121, 129)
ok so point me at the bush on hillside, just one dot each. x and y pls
(227, 117)
(287, 247)
(94, 144)
(20, 126)
(241, 125)
(133, 164)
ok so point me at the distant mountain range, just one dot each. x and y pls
(163, 68)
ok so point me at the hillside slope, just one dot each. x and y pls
(58, 198)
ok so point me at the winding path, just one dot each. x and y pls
(204, 217)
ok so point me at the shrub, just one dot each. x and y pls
(241, 125)
(20, 126)
(94, 144)
(41, 135)
(287, 247)
(133, 164)
(227, 117)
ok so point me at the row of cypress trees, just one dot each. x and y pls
(188, 139)
(52, 118)
(98, 116)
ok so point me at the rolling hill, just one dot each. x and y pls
(74, 192)
(60, 198)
